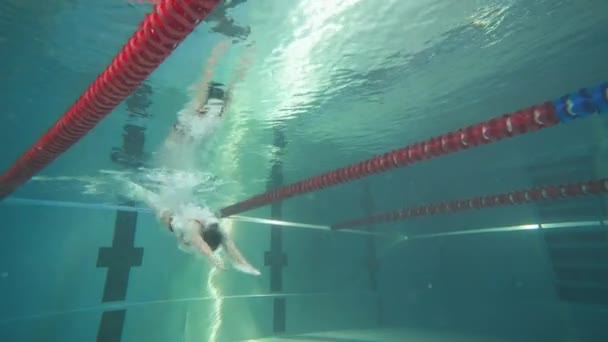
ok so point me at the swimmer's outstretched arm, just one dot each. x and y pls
(239, 262)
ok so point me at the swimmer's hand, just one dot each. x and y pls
(238, 261)
(248, 269)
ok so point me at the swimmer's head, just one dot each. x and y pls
(212, 235)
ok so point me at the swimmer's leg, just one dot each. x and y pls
(152, 200)
(138, 192)
(238, 261)
(202, 88)
(245, 63)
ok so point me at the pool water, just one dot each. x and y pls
(315, 86)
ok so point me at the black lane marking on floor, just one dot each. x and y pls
(278, 319)
(111, 326)
(120, 257)
(372, 263)
(276, 259)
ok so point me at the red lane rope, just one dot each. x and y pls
(521, 122)
(594, 187)
(581, 104)
(157, 36)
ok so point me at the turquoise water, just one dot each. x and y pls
(327, 83)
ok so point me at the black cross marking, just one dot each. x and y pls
(120, 257)
(123, 255)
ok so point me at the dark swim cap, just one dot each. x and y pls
(213, 236)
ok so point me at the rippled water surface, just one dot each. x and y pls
(336, 80)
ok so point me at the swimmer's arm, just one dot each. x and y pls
(239, 261)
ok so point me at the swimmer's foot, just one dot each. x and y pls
(135, 191)
(138, 192)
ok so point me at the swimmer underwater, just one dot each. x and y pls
(195, 227)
